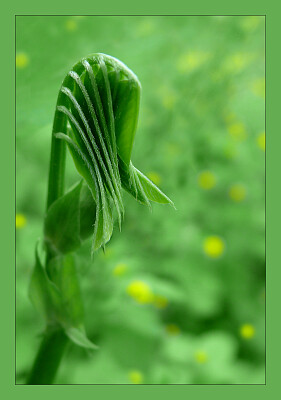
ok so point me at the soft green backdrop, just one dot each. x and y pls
(160, 307)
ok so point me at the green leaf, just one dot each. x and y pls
(62, 222)
(42, 292)
(64, 276)
(59, 299)
(81, 162)
(126, 106)
(104, 227)
(140, 187)
(78, 336)
(104, 220)
(70, 311)
(87, 212)
(152, 191)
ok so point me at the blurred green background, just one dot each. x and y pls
(178, 296)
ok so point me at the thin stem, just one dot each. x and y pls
(48, 358)
(57, 161)
(54, 341)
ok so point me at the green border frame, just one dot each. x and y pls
(240, 7)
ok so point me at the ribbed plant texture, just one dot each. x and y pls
(97, 110)
(96, 116)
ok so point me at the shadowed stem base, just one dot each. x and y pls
(48, 358)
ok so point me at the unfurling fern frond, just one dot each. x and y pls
(96, 115)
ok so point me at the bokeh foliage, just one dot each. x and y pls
(178, 296)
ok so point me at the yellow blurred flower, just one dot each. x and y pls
(261, 141)
(22, 60)
(70, 25)
(160, 301)
(20, 221)
(120, 269)
(237, 192)
(206, 180)
(140, 291)
(258, 87)
(201, 356)
(136, 377)
(247, 331)
(213, 246)
(237, 130)
(192, 61)
(172, 329)
(154, 177)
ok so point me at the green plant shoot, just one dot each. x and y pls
(96, 119)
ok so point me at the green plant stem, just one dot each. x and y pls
(48, 358)
(54, 342)
(57, 161)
